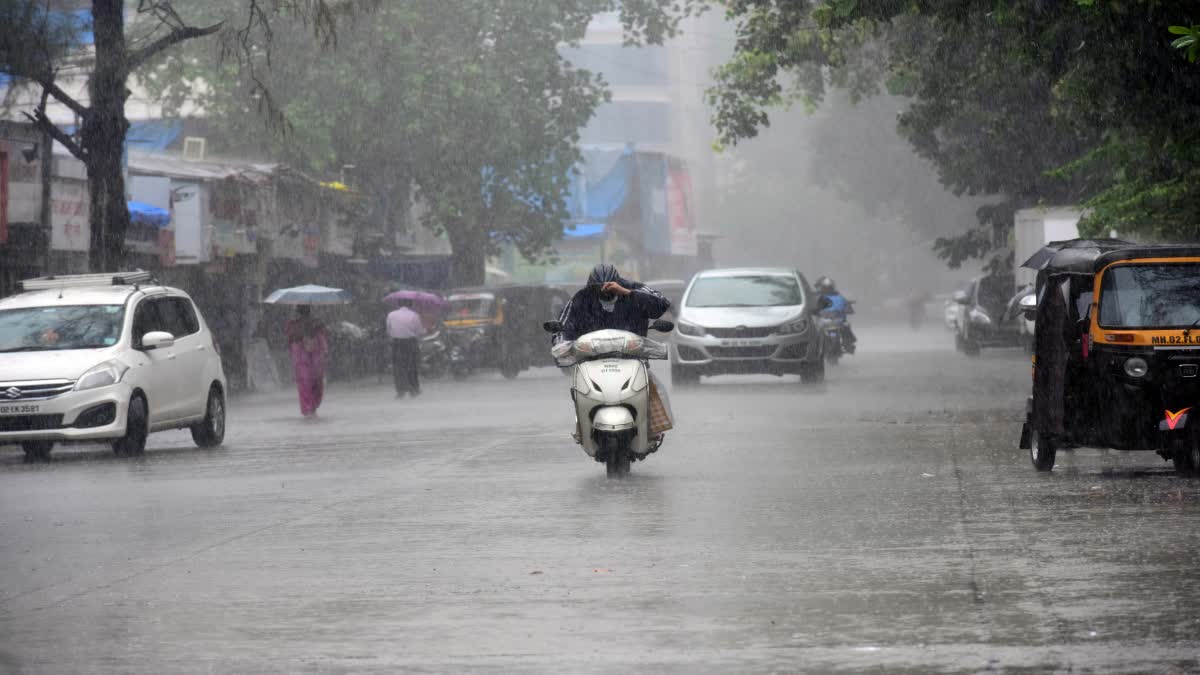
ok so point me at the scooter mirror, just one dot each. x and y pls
(662, 325)
(552, 327)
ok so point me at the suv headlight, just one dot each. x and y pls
(690, 329)
(794, 326)
(103, 375)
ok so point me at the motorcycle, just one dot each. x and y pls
(434, 359)
(835, 326)
(611, 387)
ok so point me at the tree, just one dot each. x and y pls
(1032, 101)
(466, 102)
(38, 43)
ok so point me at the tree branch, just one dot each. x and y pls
(141, 56)
(42, 122)
(49, 87)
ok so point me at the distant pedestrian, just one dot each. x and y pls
(308, 343)
(405, 329)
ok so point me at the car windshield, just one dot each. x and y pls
(1150, 296)
(764, 290)
(470, 307)
(38, 329)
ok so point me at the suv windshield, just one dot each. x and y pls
(38, 329)
(1150, 296)
(768, 290)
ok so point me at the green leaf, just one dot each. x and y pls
(1180, 30)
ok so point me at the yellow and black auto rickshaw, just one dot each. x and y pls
(500, 328)
(1116, 351)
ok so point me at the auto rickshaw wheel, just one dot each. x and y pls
(1186, 455)
(1042, 451)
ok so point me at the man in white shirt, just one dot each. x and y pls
(405, 329)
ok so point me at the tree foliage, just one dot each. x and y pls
(467, 102)
(1034, 101)
(38, 42)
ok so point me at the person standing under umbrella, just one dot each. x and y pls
(308, 343)
(405, 329)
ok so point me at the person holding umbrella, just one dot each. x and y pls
(405, 329)
(308, 343)
(308, 340)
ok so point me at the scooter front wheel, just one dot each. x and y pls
(617, 465)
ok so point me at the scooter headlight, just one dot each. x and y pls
(1136, 366)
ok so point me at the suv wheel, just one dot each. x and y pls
(37, 451)
(211, 432)
(137, 427)
(813, 373)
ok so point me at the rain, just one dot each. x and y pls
(577, 336)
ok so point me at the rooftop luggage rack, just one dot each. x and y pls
(80, 280)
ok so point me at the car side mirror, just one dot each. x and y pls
(961, 298)
(553, 327)
(1028, 306)
(158, 339)
(662, 325)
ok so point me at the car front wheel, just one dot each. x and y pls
(211, 432)
(137, 428)
(37, 451)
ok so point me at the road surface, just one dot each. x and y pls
(885, 520)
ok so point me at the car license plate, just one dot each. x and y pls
(21, 409)
(739, 343)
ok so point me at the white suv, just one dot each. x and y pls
(93, 358)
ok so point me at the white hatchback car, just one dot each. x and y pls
(106, 358)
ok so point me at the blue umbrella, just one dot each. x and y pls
(309, 295)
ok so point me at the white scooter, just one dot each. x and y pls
(611, 389)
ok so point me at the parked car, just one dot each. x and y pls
(104, 358)
(988, 314)
(748, 321)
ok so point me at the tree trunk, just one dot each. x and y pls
(103, 139)
(468, 249)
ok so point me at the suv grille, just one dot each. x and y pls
(33, 391)
(30, 422)
(742, 352)
(761, 332)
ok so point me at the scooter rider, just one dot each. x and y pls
(838, 307)
(611, 302)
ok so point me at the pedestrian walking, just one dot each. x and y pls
(308, 343)
(405, 329)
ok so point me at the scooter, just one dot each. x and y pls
(434, 359)
(611, 390)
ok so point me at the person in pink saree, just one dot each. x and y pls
(308, 343)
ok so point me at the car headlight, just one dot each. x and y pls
(104, 375)
(1136, 366)
(795, 326)
(690, 329)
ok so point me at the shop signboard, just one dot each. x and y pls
(680, 219)
(69, 229)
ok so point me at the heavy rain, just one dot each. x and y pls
(575, 336)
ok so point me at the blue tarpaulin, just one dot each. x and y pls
(584, 231)
(144, 214)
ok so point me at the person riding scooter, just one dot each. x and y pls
(609, 301)
(839, 309)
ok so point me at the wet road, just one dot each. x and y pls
(883, 521)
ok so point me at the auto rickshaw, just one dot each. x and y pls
(1116, 350)
(499, 328)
